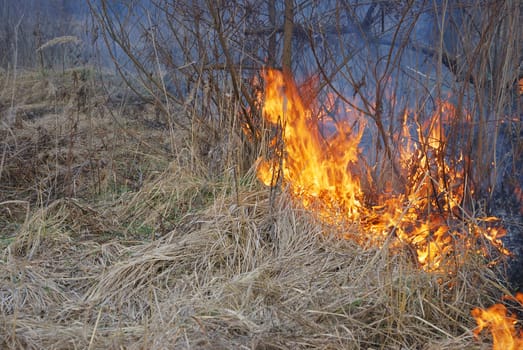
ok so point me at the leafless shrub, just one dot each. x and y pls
(379, 58)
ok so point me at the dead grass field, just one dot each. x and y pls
(110, 239)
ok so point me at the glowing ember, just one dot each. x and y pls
(327, 173)
(502, 325)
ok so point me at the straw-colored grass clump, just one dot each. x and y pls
(178, 259)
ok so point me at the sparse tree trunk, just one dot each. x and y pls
(288, 25)
(39, 42)
(271, 59)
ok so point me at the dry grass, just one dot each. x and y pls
(158, 255)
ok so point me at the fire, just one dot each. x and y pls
(315, 170)
(502, 325)
(319, 160)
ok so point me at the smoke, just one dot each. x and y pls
(28, 25)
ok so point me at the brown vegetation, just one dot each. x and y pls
(148, 251)
(131, 215)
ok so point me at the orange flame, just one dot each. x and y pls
(501, 324)
(318, 177)
(328, 174)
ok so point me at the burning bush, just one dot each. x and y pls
(325, 174)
